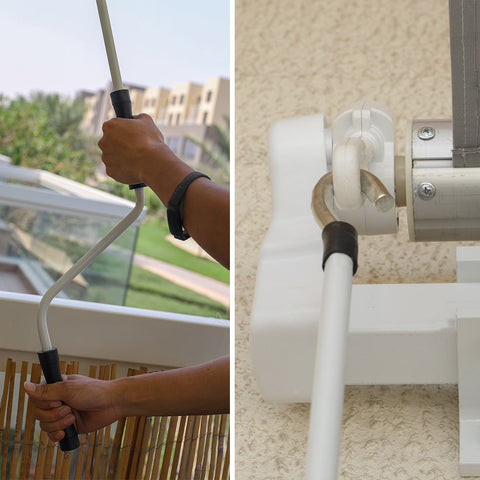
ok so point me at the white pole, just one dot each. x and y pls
(329, 377)
(109, 45)
(83, 263)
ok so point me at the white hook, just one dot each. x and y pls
(349, 157)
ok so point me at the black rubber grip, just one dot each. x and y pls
(50, 364)
(123, 109)
(121, 103)
(340, 237)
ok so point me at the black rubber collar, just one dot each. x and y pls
(340, 237)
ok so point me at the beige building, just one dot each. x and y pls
(182, 102)
(186, 110)
(215, 101)
(155, 101)
(191, 112)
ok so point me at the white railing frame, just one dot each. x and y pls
(60, 195)
(113, 333)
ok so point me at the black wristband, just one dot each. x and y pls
(340, 237)
(174, 214)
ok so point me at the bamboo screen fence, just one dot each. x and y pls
(190, 447)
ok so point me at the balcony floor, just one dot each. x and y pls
(12, 279)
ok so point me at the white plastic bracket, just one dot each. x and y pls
(348, 158)
(468, 364)
(468, 356)
(363, 137)
(422, 333)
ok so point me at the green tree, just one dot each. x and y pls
(43, 132)
(64, 115)
(218, 151)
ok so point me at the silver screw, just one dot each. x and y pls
(426, 191)
(426, 133)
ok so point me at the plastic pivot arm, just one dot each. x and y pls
(123, 109)
(50, 364)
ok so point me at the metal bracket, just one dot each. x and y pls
(443, 201)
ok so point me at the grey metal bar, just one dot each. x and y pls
(465, 62)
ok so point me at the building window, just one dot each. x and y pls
(189, 149)
(198, 101)
(174, 144)
(170, 118)
(209, 96)
(204, 119)
(181, 99)
(174, 99)
(178, 119)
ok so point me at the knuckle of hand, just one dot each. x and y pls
(66, 421)
(45, 426)
(55, 436)
(43, 387)
(59, 415)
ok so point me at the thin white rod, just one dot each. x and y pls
(329, 377)
(83, 263)
(109, 45)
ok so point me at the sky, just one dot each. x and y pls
(57, 45)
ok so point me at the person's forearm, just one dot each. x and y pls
(206, 216)
(197, 390)
(206, 205)
(134, 151)
(162, 171)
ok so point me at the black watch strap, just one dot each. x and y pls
(174, 207)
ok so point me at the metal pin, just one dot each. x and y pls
(371, 185)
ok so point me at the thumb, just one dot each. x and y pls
(142, 116)
(43, 391)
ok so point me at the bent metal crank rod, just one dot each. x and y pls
(340, 252)
(48, 356)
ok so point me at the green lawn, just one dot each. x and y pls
(147, 290)
(152, 242)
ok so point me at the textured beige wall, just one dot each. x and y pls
(309, 56)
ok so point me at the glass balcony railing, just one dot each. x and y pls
(48, 222)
